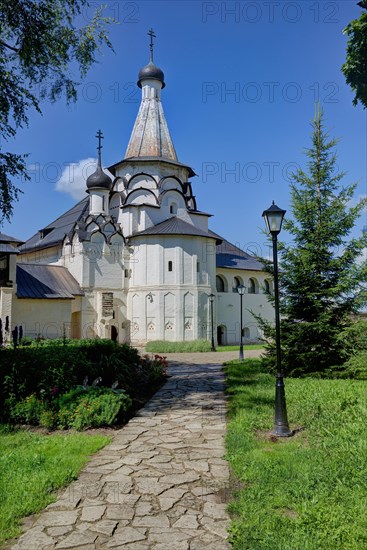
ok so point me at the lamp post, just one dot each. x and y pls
(211, 299)
(274, 219)
(241, 291)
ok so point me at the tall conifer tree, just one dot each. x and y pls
(323, 272)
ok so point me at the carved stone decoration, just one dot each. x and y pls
(188, 325)
(151, 327)
(169, 325)
(135, 327)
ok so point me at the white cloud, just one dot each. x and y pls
(74, 177)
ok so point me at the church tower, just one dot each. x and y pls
(171, 262)
(99, 186)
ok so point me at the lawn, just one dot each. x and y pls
(192, 346)
(33, 466)
(237, 348)
(308, 492)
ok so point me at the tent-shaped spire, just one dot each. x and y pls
(150, 136)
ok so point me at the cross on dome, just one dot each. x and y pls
(152, 35)
(99, 136)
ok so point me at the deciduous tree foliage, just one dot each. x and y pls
(46, 48)
(355, 66)
(322, 271)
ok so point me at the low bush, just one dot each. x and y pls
(33, 378)
(80, 408)
(162, 346)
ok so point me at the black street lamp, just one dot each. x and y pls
(274, 219)
(212, 298)
(241, 291)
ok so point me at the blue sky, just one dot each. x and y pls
(241, 82)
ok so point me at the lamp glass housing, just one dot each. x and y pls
(241, 289)
(211, 297)
(274, 218)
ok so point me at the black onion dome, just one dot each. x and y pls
(151, 71)
(99, 180)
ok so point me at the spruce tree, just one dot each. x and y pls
(322, 270)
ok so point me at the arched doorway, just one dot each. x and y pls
(221, 335)
(114, 333)
(76, 325)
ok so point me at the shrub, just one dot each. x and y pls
(28, 411)
(162, 346)
(48, 419)
(100, 410)
(91, 407)
(80, 408)
(37, 368)
(51, 371)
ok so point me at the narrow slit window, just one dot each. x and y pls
(170, 266)
(198, 267)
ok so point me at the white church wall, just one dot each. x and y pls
(228, 305)
(45, 318)
(102, 264)
(198, 220)
(7, 297)
(45, 256)
(167, 298)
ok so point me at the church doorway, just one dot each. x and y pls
(76, 325)
(221, 335)
(114, 333)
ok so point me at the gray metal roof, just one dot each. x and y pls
(232, 257)
(46, 281)
(54, 233)
(8, 249)
(7, 239)
(175, 226)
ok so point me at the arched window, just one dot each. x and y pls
(267, 286)
(173, 208)
(236, 283)
(220, 284)
(253, 286)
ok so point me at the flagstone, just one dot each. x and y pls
(93, 513)
(77, 538)
(129, 534)
(105, 526)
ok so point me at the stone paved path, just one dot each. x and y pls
(162, 482)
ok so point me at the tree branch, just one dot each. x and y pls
(8, 46)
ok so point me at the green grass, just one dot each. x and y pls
(308, 492)
(237, 348)
(162, 346)
(32, 466)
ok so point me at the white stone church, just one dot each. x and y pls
(135, 260)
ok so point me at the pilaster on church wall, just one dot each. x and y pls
(73, 260)
(7, 297)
